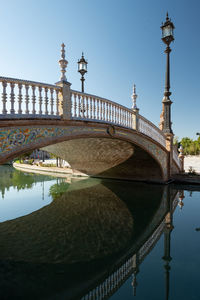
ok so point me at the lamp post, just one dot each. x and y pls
(167, 38)
(82, 69)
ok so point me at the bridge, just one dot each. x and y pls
(96, 136)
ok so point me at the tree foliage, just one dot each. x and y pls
(190, 146)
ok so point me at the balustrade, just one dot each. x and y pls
(152, 131)
(89, 107)
(28, 99)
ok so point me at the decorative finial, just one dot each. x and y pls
(63, 63)
(167, 17)
(181, 149)
(134, 97)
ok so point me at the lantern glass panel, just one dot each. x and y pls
(167, 31)
(82, 66)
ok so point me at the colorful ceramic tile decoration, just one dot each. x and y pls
(11, 139)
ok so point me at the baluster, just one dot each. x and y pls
(79, 106)
(124, 118)
(40, 100)
(90, 107)
(114, 113)
(120, 116)
(100, 291)
(83, 106)
(4, 97)
(97, 102)
(104, 111)
(46, 101)
(106, 287)
(20, 99)
(117, 114)
(33, 99)
(125, 112)
(100, 109)
(52, 100)
(12, 98)
(94, 108)
(75, 106)
(27, 98)
(128, 119)
(57, 102)
(110, 112)
(87, 107)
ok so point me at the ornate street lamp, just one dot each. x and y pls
(82, 69)
(167, 37)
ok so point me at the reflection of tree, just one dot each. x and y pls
(57, 190)
(19, 180)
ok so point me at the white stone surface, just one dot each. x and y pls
(193, 161)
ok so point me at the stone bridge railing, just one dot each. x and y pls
(23, 99)
(28, 99)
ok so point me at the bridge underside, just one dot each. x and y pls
(108, 158)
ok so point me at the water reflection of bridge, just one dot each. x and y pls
(131, 264)
(94, 236)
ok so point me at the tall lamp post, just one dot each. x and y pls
(167, 38)
(82, 69)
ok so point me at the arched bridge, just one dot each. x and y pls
(95, 135)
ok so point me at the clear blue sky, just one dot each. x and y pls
(121, 40)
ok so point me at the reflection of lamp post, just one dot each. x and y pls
(167, 245)
(167, 37)
(82, 69)
(135, 272)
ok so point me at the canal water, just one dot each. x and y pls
(72, 238)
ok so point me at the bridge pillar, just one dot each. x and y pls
(65, 99)
(181, 157)
(169, 147)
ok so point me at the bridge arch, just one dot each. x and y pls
(114, 151)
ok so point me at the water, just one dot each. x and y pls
(97, 239)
